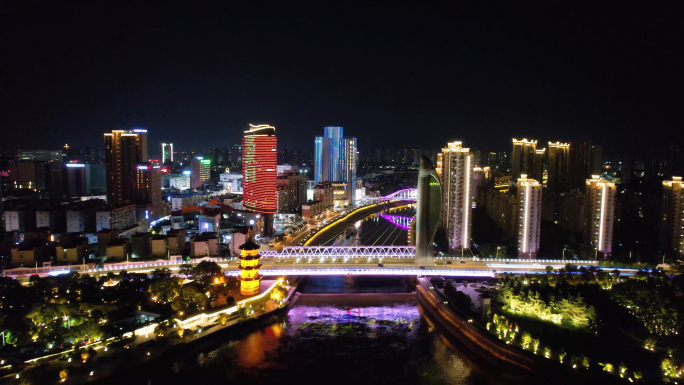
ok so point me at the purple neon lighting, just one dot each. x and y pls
(412, 194)
(397, 220)
(372, 271)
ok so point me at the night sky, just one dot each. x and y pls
(394, 74)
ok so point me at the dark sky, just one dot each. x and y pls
(394, 74)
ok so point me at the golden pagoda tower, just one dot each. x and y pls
(249, 267)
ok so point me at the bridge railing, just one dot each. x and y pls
(340, 251)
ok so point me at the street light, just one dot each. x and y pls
(564, 254)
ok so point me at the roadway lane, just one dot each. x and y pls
(337, 230)
(373, 230)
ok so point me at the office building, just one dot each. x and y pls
(335, 160)
(601, 216)
(457, 195)
(672, 214)
(167, 152)
(529, 217)
(200, 172)
(259, 172)
(559, 167)
(124, 151)
(525, 158)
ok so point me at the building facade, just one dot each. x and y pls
(559, 167)
(672, 225)
(524, 158)
(457, 195)
(601, 195)
(167, 152)
(124, 151)
(529, 217)
(336, 160)
(259, 172)
(200, 172)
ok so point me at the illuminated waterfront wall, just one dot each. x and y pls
(259, 171)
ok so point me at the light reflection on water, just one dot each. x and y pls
(358, 344)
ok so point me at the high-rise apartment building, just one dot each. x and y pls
(149, 190)
(291, 191)
(124, 151)
(200, 172)
(335, 160)
(585, 160)
(601, 216)
(167, 152)
(529, 217)
(538, 171)
(457, 195)
(559, 167)
(259, 161)
(525, 159)
(672, 226)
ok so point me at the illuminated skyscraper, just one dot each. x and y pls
(529, 217)
(167, 152)
(259, 171)
(559, 166)
(524, 158)
(124, 151)
(600, 219)
(457, 195)
(672, 227)
(200, 172)
(335, 160)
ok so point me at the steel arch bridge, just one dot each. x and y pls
(342, 252)
(407, 194)
(401, 221)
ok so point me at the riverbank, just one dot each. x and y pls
(145, 345)
(515, 366)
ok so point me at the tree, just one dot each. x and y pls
(160, 330)
(191, 299)
(186, 270)
(164, 290)
(63, 374)
(207, 269)
(162, 273)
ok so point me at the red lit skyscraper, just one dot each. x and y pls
(259, 172)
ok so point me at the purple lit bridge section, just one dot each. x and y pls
(407, 194)
(390, 271)
(402, 222)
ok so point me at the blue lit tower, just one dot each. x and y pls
(335, 159)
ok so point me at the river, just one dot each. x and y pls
(342, 330)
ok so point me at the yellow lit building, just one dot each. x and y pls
(524, 158)
(672, 227)
(249, 268)
(529, 217)
(600, 219)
